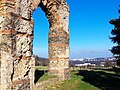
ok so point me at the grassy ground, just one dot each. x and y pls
(90, 80)
(103, 79)
(41, 74)
(41, 67)
(46, 77)
(86, 80)
(75, 83)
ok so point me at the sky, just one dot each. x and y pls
(89, 28)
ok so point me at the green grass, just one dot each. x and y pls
(109, 72)
(45, 77)
(89, 80)
(105, 79)
(41, 74)
(75, 83)
(41, 67)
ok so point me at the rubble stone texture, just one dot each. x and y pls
(16, 38)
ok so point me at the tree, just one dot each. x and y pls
(116, 38)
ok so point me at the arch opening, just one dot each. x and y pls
(40, 42)
(41, 29)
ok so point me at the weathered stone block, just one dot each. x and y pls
(58, 51)
(59, 40)
(25, 9)
(7, 6)
(6, 70)
(23, 73)
(23, 45)
(1, 22)
(6, 43)
(24, 26)
(8, 23)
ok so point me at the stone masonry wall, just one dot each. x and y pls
(57, 13)
(16, 41)
(24, 62)
(16, 36)
(7, 43)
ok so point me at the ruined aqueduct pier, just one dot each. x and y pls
(16, 41)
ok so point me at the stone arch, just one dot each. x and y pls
(57, 13)
(16, 37)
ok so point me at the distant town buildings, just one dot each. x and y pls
(103, 62)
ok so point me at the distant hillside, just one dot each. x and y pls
(41, 61)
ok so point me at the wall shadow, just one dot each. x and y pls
(38, 75)
(100, 79)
